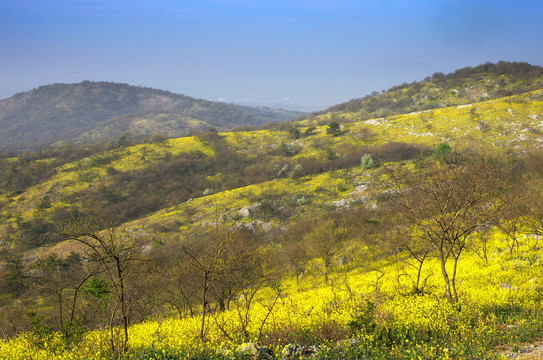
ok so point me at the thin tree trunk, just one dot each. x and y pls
(124, 312)
(326, 265)
(187, 302)
(74, 302)
(419, 273)
(446, 279)
(204, 305)
(61, 319)
(453, 282)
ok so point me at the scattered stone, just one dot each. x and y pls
(375, 121)
(253, 225)
(244, 212)
(295, 351)
(342, 260)
(146, 249)
(345, 203)
(248, 211)
(248, 349)
(266, 226)
(347, 342)
(424, 134)
(226, 353)
(359, 189)
(255, 352)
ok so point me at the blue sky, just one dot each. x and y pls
(290, 53)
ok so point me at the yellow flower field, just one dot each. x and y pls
(310, 309)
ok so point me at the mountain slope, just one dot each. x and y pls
(147, 181)
(61, 112)
(464, 86)
(265, 206)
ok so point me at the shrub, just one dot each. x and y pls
(364, 319)
(334, 128)
(309, 131)
(302, 200)
(330, 154)
(342, 188)
(287, 150)
(282, 170)
(294, 133)
(73, 332)
(267, 209)
(443, 151)
(297, 170)
(44, 203)
(367, 161)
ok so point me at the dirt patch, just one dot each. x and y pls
(526, 352)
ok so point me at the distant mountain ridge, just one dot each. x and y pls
(95, 112)
(90, 112)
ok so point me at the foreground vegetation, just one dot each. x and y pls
(371, 313)
(444, 261)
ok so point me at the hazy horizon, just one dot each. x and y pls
(303, 55)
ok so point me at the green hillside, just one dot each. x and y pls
(136, 181)
(91, 112)
(407, 236)
(464, 86)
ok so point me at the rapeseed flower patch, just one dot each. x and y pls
(422, 326)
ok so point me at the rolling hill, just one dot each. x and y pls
(91, 112)
(288, 242)
(463, 86)
(136, 181)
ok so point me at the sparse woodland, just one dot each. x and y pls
(414, 236)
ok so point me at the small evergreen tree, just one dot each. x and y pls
(367, 161)
(443, 151)
(334, 129)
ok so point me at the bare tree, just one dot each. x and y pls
(222, 261)
(531, 208)
(403, 242)
(295, 254)
(178, 285)
(63, 280)
(444, 205)
(119, 255)
(512, 222)
(325, 241)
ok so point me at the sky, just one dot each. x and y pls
(295, 54)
